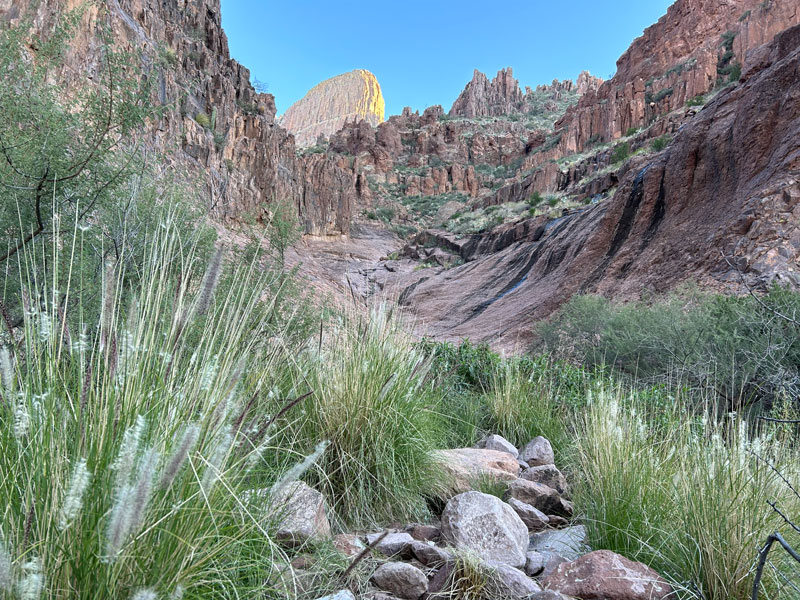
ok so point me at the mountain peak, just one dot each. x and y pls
(327, 106)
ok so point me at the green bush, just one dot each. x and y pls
(620, 152)
(696, 101)
(203, 120)
(659, 143)
(631, 131)
(735, 347)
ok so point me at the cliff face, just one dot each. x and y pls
(684, 55)
(720, 203)
(241, 158)
(353, 96)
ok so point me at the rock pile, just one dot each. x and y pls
(522, 545)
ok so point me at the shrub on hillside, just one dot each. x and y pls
(733, 346)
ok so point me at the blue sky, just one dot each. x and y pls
(424, 52)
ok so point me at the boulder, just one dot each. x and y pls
(549, 475)
(425, 533)
(569, 543)
(302, 513)
(466, 466)
(499, 443)
(534, 519)
(538, 452)
(486, 526)
(400, 579)
(540, 496)
(510, 583)
(604, 575)
(395, 543)
(429, 555)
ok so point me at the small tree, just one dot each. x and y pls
(283, 229)
(65, 154)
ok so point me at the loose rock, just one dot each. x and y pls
(394, 544)
(569, 543)
(534, 519)
(499, 443)
(540, 496)
(513, 583)
(534, 563)
(401, 579)
(302, 513)
(486, 526)
(604, 575)
(465, 466)
(549, 475)
(342, 595)
(538, 452)
(430, 555)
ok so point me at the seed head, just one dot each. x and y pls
(74, 499)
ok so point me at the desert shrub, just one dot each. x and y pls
(659, 143)
(660, 95)
(735, 347)
(684, 493)
(620, 152)
(203, 120)
(552, 200)
(696, 101)
(371, 402)
(735, 73)
(631, 131)
(127, 443)
(535, 199)
(385, 214)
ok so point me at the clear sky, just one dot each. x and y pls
(423, 52)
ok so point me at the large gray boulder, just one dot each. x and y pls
(302, 515)
(538, 452)
(401, 579)
(486, 526)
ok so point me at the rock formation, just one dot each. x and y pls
(221, 135)
(353, 96)
(484, 98)
(683, 56)
(728, 184)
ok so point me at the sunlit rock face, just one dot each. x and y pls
(324, 110)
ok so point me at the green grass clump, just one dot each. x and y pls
(684, 493)
(371, 402)
(128, 444)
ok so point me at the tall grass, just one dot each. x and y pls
(371, 402)
(683, 493)
(126, 443)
